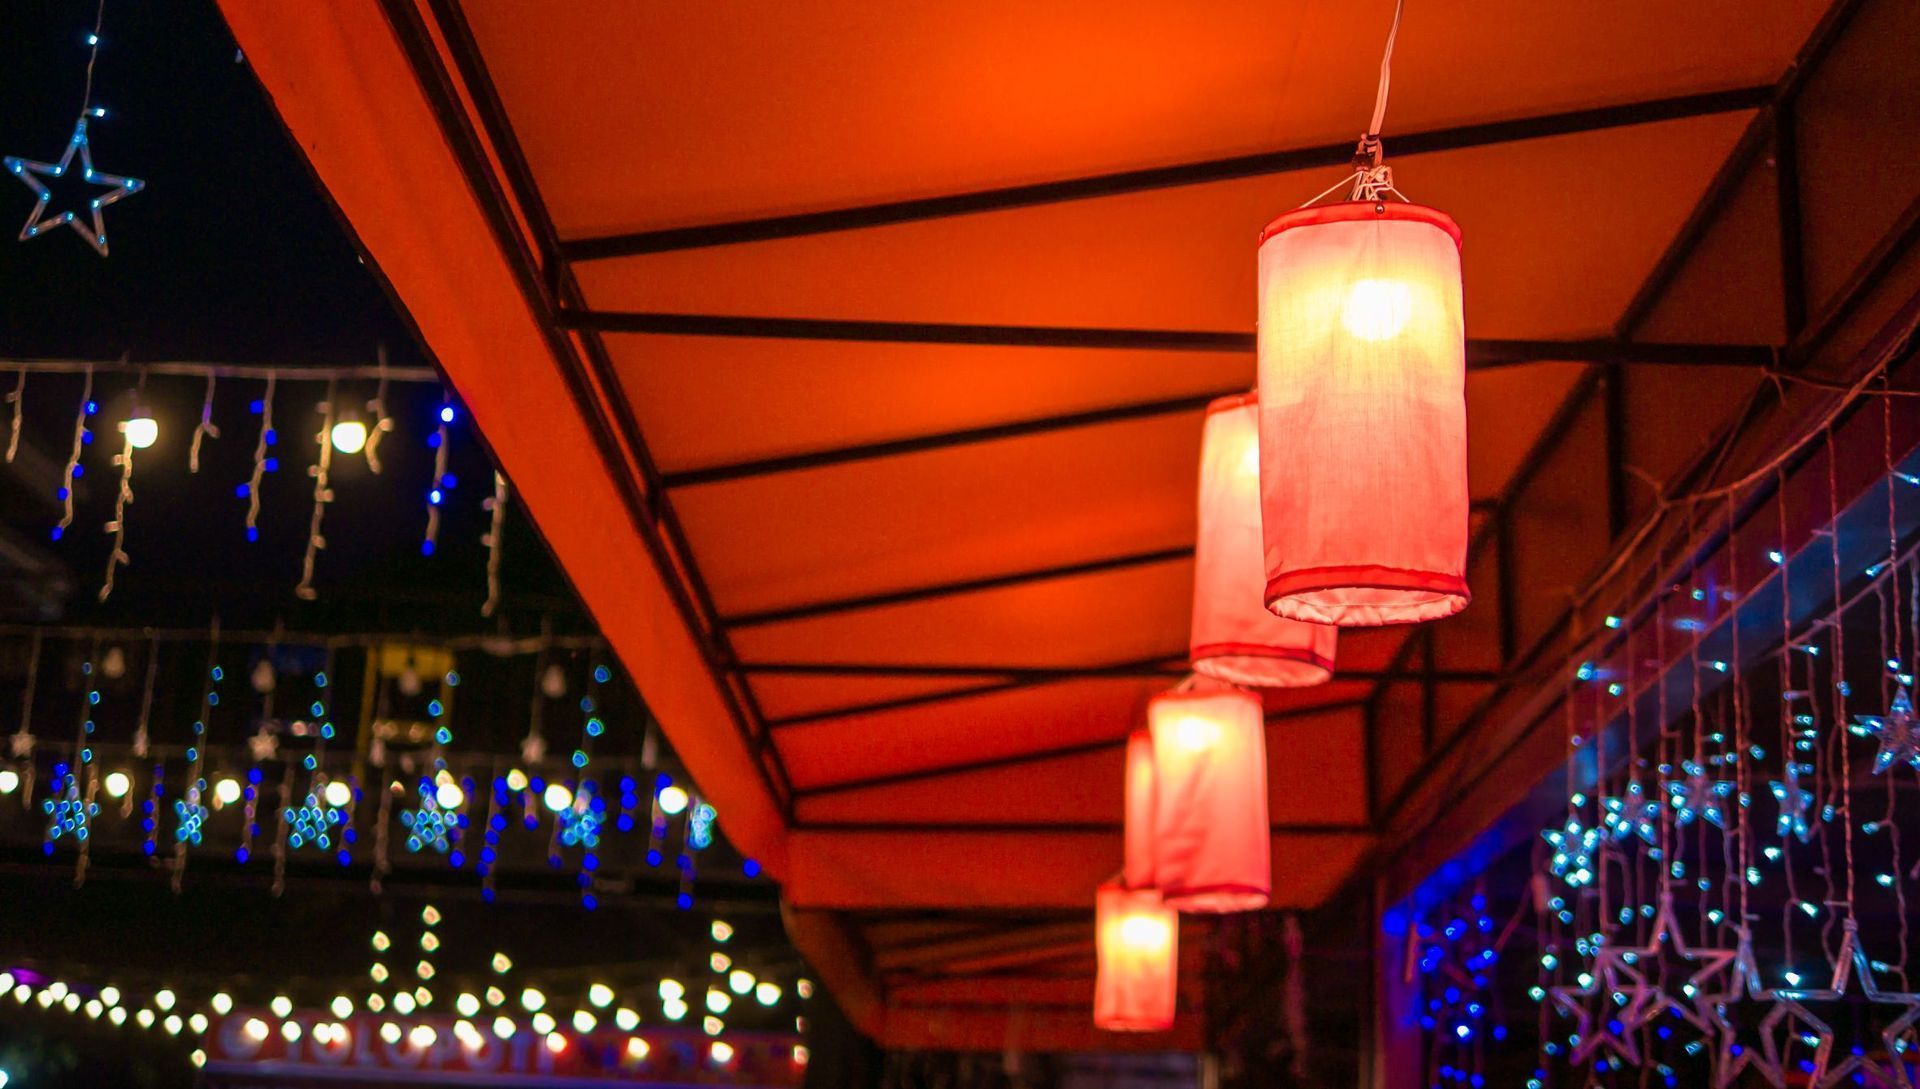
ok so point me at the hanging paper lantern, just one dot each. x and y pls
(1363, 429)
(1138, 943)
(1211, 849)
(1138, 872)
(1234, 637)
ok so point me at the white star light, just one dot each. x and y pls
(29, 171)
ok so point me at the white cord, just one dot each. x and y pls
(1386, 76)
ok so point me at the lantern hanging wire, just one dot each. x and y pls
(1371, 178)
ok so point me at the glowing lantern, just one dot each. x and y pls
(1138, 873)
(1211, 849)
(1234, 637)
(1138, 942)
(1363, 445)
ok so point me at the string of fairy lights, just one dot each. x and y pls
(264, 767)
(343, 429)
(414, 1005)
(1725, 895)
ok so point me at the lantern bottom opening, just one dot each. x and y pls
(1365, 596)
(1216, 899)
(1112, 1024)
(1261, 667)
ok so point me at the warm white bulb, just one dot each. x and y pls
(516, 780)
(118, 784)
(1377, 309)
(558, 797)
(282, 1006)
(164, 1000)
(342, 1006)
(626, 1020)
(226, 791)
(9, 780)
(449, 795)
(142, 431)
(338, 793)
(600, 995)
(503, 1027)
(767, 993)
(222, 1003)
(637, 1048)
(672, 800)
(108, 995)
(584, 1022)
(740, 981)
(531, 999)
(349, 436)
(422, 1036)
(390, 1032)
(255, 1029)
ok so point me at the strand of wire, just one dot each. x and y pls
(205, 429)
(73, 459)
(1663, 504)
(322, 495)
(93, 54)
(260, 461)
(17, 398)
(495, 540)
(382, 423)
(118, 526)
(431, 542)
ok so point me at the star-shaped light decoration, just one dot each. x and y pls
(1573, 849)
(1737, 1021)
(41, 217)
(580, 823)
(429, 826)
(1854, 992)
(1699, 796)
(1794, 803)
(1688, 997)
(312, 824)
(1632, 814)
(68, 815)
(1897, 731)
(1602, 1008)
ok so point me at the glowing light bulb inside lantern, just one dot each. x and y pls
(118, 784)
(114, 663)
(1377, 309)
(349, 436)
(1145, 932)
(140, 428)
(1197, 734)
(262, 678)
(338, 793)
(673, 800)
(553, 683)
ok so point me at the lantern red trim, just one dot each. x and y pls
(1137, 945)
(1345, 211)
(1233, 637)
(1362, 357)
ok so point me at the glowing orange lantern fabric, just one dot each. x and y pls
(1363, 421)
(1138, 873)
(1138, 942)
(1211, 849)
(1234, 637)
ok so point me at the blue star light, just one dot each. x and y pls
(1699, 796)
(190, 818)
(1632, 814)
(68, 815)
(1684, 990)
(1855, 1065)
(1898, 732)
(429, 826)
(312, 824)
(1737, 1018)
(30, 171)
(1573, 848)
(1794, 803)
(580, 823)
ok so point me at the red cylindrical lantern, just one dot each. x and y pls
(1363, 420)
(1234, 637)
(1138, 942)
(1211, 844)
(1138, 872)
